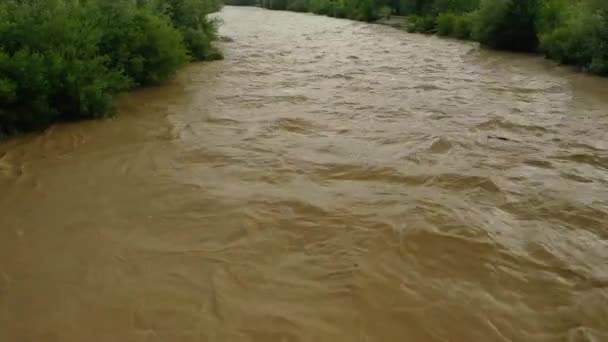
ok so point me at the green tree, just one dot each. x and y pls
(507, 24)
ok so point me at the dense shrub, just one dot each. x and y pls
(274, 4)
(363, 10)
(330, 8)
(507, 24)
(453, 6)
(455, 25)
(297, 6)
(39, 88)
(200, 45)
(385, 12)
(415, 7)
(446, 23)
(142, 45)
(425, 24)
(463, 26)
(67, 59)
(49, 66)
(190, 18)
(241, 2)
(576, 33)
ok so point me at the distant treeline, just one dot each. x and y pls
(241, 2)
(570, 31)
(67, 59)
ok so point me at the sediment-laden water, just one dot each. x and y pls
(329, 181)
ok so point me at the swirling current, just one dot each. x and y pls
(329, 180)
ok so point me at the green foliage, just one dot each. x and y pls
(363, 10)
(200, 46)
(446, 23)
(142, 45)
(426, 24)
(411, 24)
(68, 59)
(385, 12)
(297, 6)
(576, 33)
(241, 2)
(463, 26)
(275, 4)
(415, 7)
(190, 18)
(507, 24)
(336, 9)
(454, 6)
(49, 66)
(455, 25)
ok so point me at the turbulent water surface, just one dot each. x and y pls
(329, 181)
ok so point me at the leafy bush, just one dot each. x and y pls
(463, 26)
(453, 6)
(455, 25)
(190, 18)
(578, 35)
(142, 45)
(241, 2)
(322, 7)
(415, 7)
(200, 46)
(67, 59)
(446, 23)
(411, 25)
(49, 66)
(338, 9)
(385, 12)
(38, 89)
(507, 24)
(424, 24)
(297, 5)
(276, 4)
(363, 10)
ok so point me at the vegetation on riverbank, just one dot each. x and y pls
(68, 59)
(241, 2)
(571, 32)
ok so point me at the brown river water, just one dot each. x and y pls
(329, 180)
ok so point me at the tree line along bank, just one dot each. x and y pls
(68, 59)
(571, 32)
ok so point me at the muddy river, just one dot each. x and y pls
(330, 180)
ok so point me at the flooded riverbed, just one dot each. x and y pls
(329, 181)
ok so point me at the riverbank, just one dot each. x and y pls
(396, 21)
(328, 181)
(573, 33)
(64, 60)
